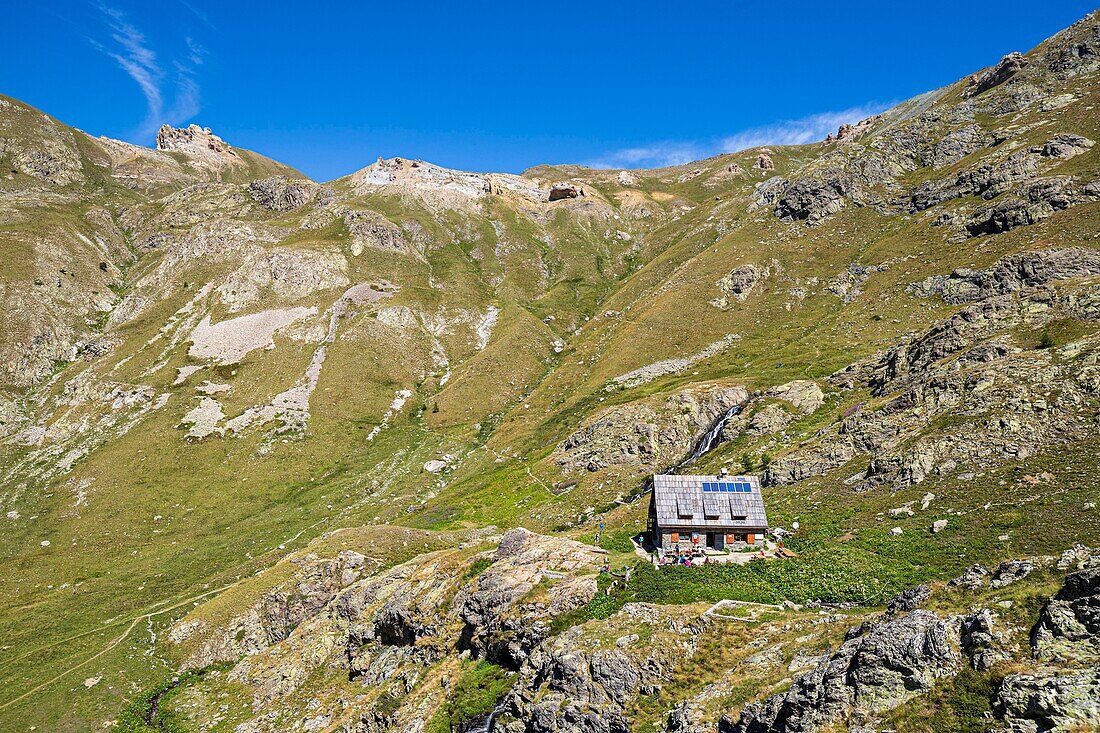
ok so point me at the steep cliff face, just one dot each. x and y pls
(208, 361)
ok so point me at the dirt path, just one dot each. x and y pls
(111, 645)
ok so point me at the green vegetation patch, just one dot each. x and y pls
(146, 712)
(473, 694)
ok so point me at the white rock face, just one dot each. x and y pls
(485, 326)
(227, 342)
(444, 187)
(435, 466)
(204, 419)
(649, 372)
(501, 183)
(430, 183)
(184, 372)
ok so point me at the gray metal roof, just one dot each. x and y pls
(681, 502)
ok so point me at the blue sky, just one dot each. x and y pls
(329, 87)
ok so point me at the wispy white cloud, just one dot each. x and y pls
(131, 50)
(656, 155)
(138, 60)
(797, 132)
(186, 104)
(195, 52)
(785, 132)
(199, 14)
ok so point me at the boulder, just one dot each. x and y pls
(973, 578)
(979, 640)
(561, 191)
(1011, 571)
(909, 600)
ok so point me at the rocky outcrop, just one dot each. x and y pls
(1069, 625)
(498, 629)
(651, 434)
(200, 145)
(957, 144)
(1011, 571)
(986, 180)
(909, 600)
(875, 671)
(287, 273)
(848, 132)
(1078, 557)
(766, 414)
(1005, 69)
(280, 194)
(1033, 202)
(737, 285)
(1011, 274)
(424, 183)
(848, 285)
(764, 161)
(369, 229)
(813, 199)
(1064, 146)
(819, 460)
(1056, 698)
(578, 682)
(581, 691)
(1050, 701)
(980, 640)
(314, 584)
(958, 367)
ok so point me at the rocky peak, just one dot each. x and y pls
(1005, 69)
(196, 141)
(848, 133)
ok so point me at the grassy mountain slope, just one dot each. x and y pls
(209, 364)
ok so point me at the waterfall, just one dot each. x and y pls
(711, 437)
(485, 725)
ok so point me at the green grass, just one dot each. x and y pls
(474, 693)
(148, 712)
(960, 704)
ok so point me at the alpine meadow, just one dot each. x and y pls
(799, 438)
